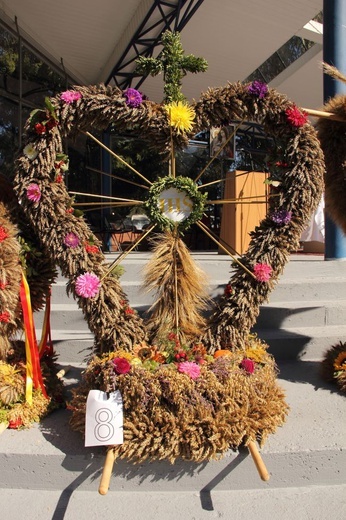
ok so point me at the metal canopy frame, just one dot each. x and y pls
(173, 16)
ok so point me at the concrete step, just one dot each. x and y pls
(306, 343)
(280, 503)
(304, 317)
(67, 316)
(48, 471)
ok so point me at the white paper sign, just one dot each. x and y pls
(175, 204)
(104, 419)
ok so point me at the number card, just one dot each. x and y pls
(104, 419)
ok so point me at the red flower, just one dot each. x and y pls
(40, 128)
(296, 117)
(91, 249)
(5, 317)
(15, 424)
(129, 311)
(51, 123)
(3, 234)
(180, 356)
(248, 365)
(3, 284)
(59, 179)
(228, 290)
(121, 365)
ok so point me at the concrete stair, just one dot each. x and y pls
(305, 314)
(47, 473)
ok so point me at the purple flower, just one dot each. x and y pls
(71, 240)
(33, 192)
(69, 96)
(281, 217)
(87, 285)
(258, 89)
(133, 97)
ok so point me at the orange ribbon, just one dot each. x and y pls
(33, 368)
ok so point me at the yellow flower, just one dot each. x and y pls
(256, 354)
(181, 116)
(340, 361)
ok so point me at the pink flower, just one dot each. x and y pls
(33, 192)
(3, 285)
(69, 96)
(296, 117)
(87, 285)
(71, 240)
(190, 368)
(262, 272)
(121, 365)
(248, 365)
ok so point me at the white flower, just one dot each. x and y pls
(30, 152)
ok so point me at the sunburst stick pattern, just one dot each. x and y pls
(174, 205)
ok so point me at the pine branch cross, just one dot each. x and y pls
(173, 64)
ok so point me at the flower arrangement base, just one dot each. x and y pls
(170, 415)
(16, 411)
(333, 366)
(111, 457)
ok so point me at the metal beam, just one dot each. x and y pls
(161, 16)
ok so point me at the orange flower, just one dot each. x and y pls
(220, 353)
(340, 361)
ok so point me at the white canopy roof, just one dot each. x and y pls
(234, 36)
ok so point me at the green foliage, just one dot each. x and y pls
(183, 184)
(173, 64)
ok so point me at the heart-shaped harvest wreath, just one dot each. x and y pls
(174, 409)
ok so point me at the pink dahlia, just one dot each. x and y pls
(262, 272)
(190, 368)
(296, 117)
(69, 96)
(121, 365)
(33, 192)
(71, 240)
(87, 285)
(248, 365)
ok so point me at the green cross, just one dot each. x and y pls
(173, 64)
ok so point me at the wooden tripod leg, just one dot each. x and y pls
(107, 472)
(255, 454)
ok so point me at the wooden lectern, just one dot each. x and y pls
(249, 193)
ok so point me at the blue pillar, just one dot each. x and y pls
(334, 53)
(106, 184)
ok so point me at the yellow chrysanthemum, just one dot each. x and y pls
(257, 354)
(340, 361)
(181, 116)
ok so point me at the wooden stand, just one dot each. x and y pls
(107, 472)
(110, 459)
(255, 454)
